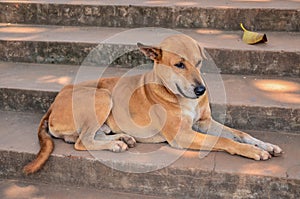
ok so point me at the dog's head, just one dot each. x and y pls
(177, 62)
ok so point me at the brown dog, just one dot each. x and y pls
(169, 103)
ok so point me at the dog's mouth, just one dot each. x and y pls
(183, 94)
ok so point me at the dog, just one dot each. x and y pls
(167, 104)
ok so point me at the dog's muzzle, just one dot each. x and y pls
(199, 90)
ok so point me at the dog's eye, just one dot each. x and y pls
(180, 65)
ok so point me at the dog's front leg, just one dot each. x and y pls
(212, 127)
(185, 137)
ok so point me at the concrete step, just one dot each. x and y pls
(245, 102)
(226, 14)
(22, 189)
(155, 169)
(100, 46)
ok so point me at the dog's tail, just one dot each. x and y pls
(46, 144)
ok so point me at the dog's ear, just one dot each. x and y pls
(152, 52)
(201, 49)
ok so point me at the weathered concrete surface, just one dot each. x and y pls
(245, 102)
(239, 89)
(102, 46)
(217, 175)
(279, 4)
(169, 14)
(21, 189)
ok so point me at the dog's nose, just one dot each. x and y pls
(199, 90)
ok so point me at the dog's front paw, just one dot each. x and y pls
(270, 148)
(118, 146)
(255, 153)
(262, 155)
(273, 149)
(130, 141)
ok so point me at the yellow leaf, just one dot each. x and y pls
(250, 37)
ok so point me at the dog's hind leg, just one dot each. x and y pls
(105, 129)
(129, 140)
(89, 140)
(102, 141)
(91, 119)
(212, 127)
(70, 139)
(91, 144)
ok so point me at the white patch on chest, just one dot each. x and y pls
(190, 108)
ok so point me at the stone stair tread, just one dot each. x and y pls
(210, 38)
(191, 3)
(19, 135)
(240, 90)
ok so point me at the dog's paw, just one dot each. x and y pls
(118, 146)
(104, 128)
(262, 155)
(255, 153)
(130, 141)
(274, 150)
